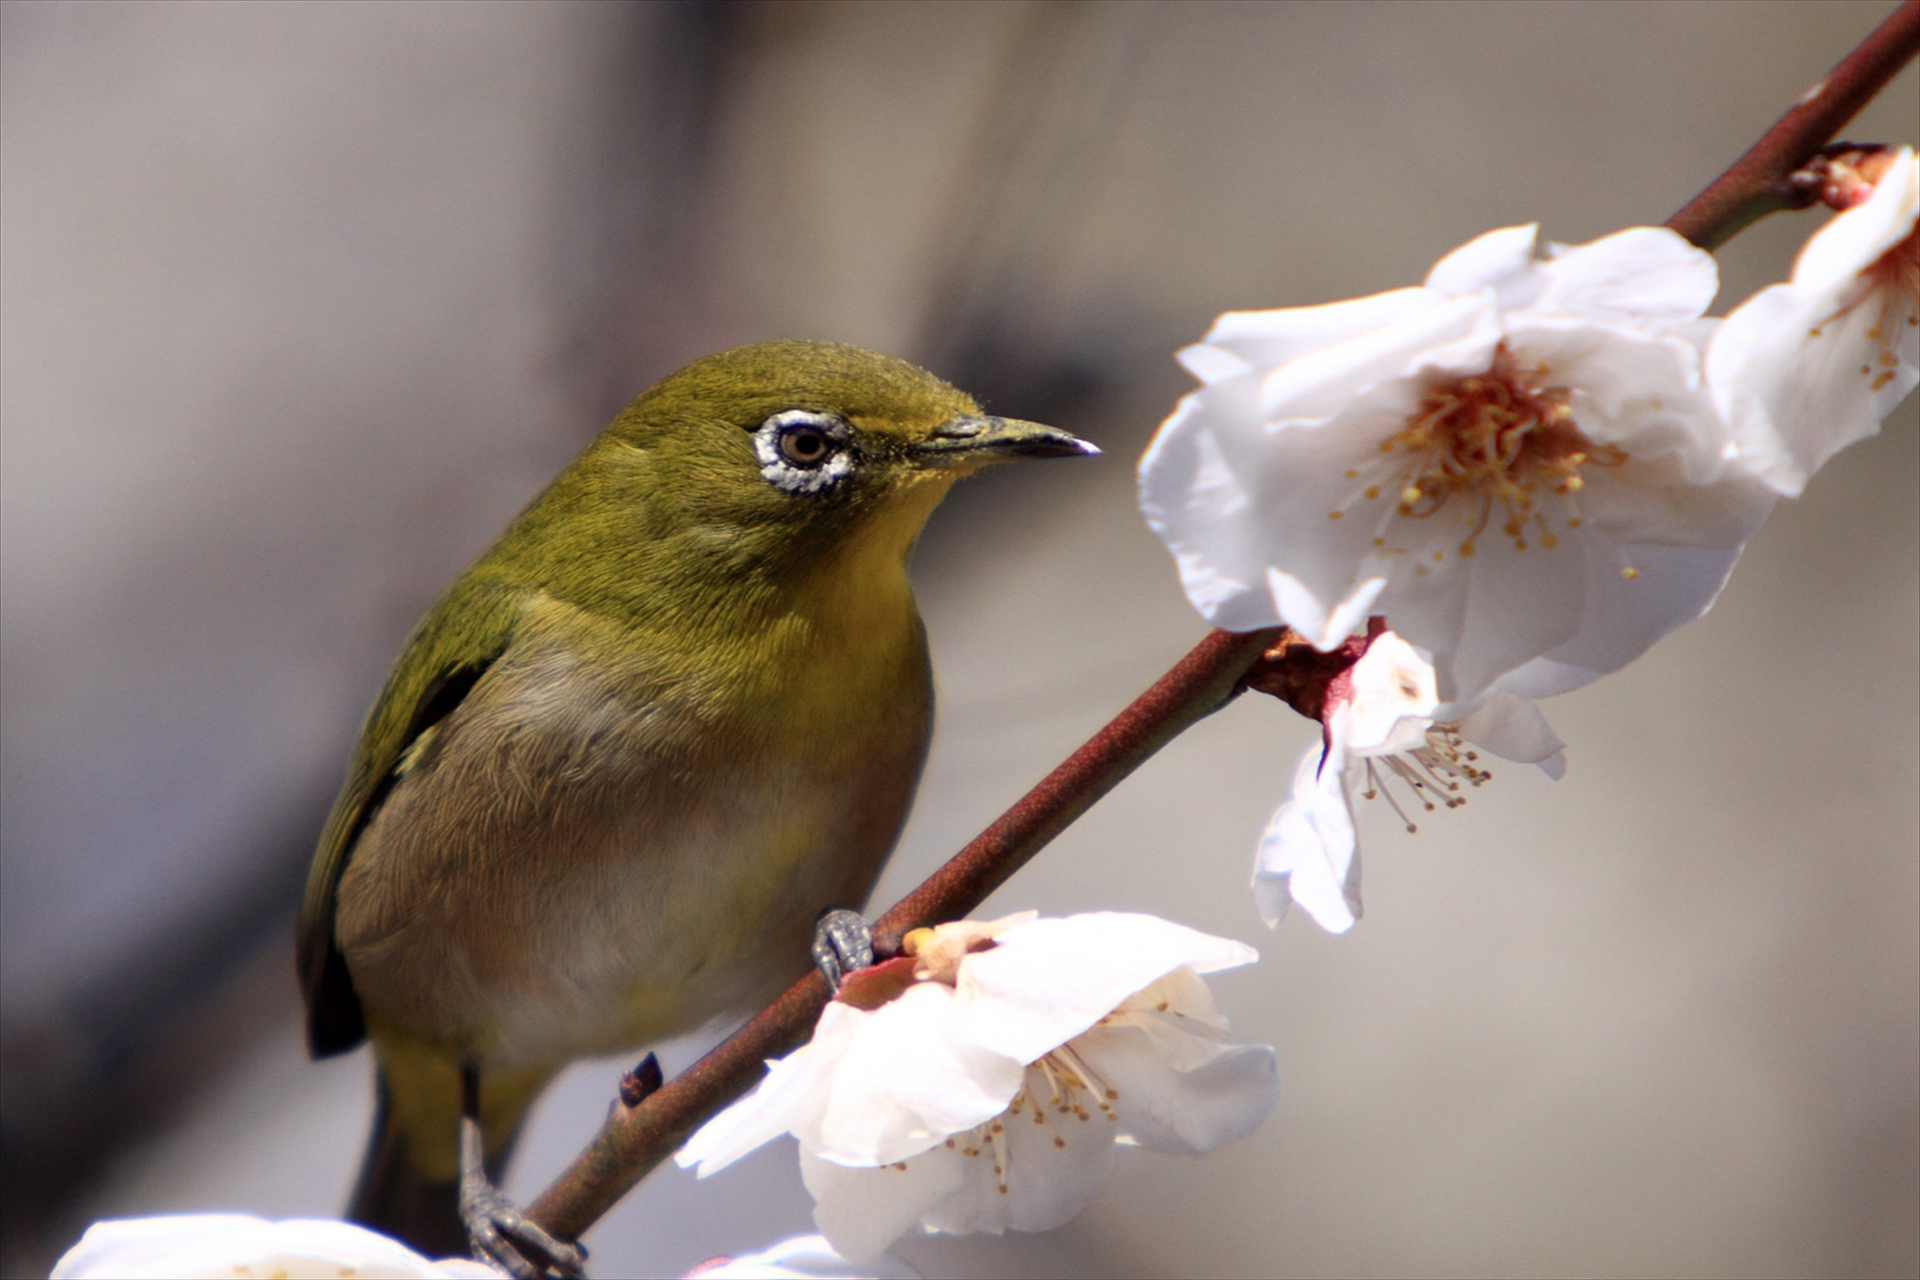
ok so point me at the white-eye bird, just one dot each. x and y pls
(672, 714)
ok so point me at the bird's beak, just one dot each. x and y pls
(978, 439)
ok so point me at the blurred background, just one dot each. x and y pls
(302, 301)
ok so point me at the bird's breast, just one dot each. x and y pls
(593, 854)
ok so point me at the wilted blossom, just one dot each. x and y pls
(236, 1244)
(1379, 723)
(1805, 368)
(1517, 463)
(980, 1083)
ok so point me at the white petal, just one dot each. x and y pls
(778, 1102)
(1268, 338)
(240, 1245)
(1681, 543)
(1221, 600)
(1649, 272)
(1211, 364)
(1800, 376)
(1189, 1111)
(1182, 995)
(1318, 384)
(1643, 392)
(1308, 851)
(939, 952)
(862, 1211)
(1483, 615)
(1856, 239)
(1193, 499)
(1055, 1165)
(1512, 728)
(1393, 698)
(912, 1077)
(1323, 626)
(805, 1258)
(1049, 980)
(1501, 261)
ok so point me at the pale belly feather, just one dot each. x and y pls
(574, 869)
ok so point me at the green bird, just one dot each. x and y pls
(676, 711)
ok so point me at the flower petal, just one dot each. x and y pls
(1055, 1165)
(1051, 979)
(229, 1244)
(776, 1104)
(1393, 698)
(1324, 626)
(1501, 261)
(862, 1211)
(1649, 273)
(1286, 333)
(803, 1258)
(1850, 243)
(1308, 853)
(1313, 386)
(1189, 1111)
(1512, 728)
(1799, 376)
(911, 1078)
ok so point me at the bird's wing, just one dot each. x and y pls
(445, 657)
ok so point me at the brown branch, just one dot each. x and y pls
(1757, 183)
(635, 1139)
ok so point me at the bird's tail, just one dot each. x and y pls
(409, 1184)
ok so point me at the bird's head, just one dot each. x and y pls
(805, 448)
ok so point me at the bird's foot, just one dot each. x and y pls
(500, 1234)
(842, 944)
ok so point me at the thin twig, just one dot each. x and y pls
(1756, 184)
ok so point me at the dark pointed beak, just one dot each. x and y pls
(977, 438)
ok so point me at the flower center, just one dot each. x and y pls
(1435, 771)
(1487, 439)
(1059, 1086)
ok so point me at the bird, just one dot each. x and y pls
(674, 713)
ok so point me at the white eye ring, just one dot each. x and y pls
(788, 463)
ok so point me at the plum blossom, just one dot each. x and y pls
(1517, 463)
(1382, 716)
(981, 1081)
(1803, 369)
(802, 1258)
(237, 1244)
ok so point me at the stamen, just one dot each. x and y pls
(1434, 771)
(1503, 437)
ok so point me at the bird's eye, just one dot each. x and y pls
(802, 452)
(805, 445)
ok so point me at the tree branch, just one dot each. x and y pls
(1756, 184)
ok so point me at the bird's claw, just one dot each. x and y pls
(500, 1234)
(842, 944)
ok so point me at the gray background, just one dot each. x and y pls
(302, 301)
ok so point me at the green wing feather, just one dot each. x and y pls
(449, 651)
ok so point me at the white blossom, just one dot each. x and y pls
(1803, 369)
(235, 1244)
(1384, 720)
(1517, 463)
(802, 1258)
(985, 1081)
